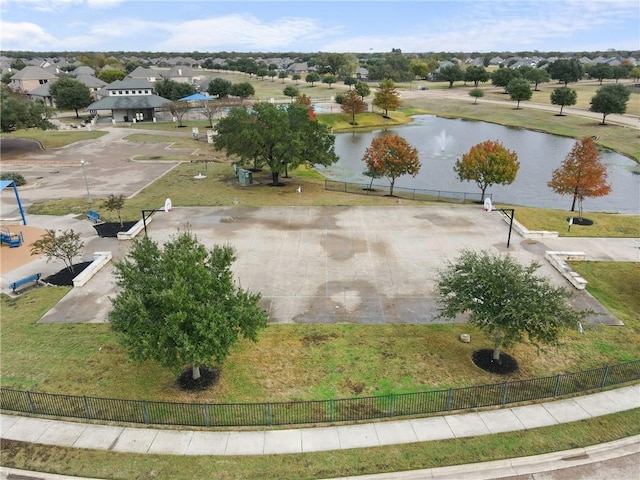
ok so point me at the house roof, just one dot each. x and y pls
(32, 73)
(90, 81)
(141, 72)
(129, 102)
(195, 97)
(129, 83)
(41, 91)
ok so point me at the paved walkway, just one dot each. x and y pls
(304, 440)
(617, 459)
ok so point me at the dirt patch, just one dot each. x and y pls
(64, 277)
(208, 377)
(317, 339)
(505, 365)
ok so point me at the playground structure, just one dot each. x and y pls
(10, 238)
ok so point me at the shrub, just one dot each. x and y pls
(16, 177)
(340, 98)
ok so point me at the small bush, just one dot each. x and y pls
(340, 98)
(16, 177)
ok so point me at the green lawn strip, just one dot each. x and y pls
(300, 362)
(615, 285)
(608, 225)
(54, 139)
(103, 464)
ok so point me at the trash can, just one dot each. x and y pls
(245, 177)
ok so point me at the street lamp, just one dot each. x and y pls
(86, 184)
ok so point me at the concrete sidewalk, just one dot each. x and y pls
(304, 440)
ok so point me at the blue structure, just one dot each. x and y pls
(6, 183)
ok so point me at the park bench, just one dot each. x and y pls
(93, 216)
(32, 278)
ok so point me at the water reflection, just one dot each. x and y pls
(441, 141)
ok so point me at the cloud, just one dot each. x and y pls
(104, 3)
(241, 32)
(28, 35)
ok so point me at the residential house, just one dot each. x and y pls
(299, 68)
(130, 100)
(30, 78)
(180, 74)
(141, 73)
(93, 83)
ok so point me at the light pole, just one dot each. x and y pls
(86, 184)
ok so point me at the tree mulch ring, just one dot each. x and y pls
(111, 229)
(208, 377)
(64, 278)
(503, 366)
(585, 222)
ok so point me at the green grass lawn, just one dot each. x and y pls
(55, 139)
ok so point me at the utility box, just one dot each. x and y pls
(245, 177)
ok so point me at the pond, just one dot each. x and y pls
(440, 141)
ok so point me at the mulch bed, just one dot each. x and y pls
(111, 229)
(505, 365)
(64, 278)
(208, 377)
(585, 222)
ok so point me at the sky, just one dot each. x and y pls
(357, 26)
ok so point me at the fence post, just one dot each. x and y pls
(557, 387)
(449, 398)
(32, 405)
(87, 413)
(505, 389)
(331, 410)
(269, 414)
(604, 376)
(391, 397)
(145, 412)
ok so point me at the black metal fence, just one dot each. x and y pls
(339, 410)
(402, 192)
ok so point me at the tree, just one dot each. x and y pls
(110, 75)
(64, 246)
(181, 305)
(283, 75)
(387, 97)
(564, 96)
(219, 87)
(242, 90)
(476, 75)
(566, 70)
(20, 112)
(17, 64)
(600, 71)
(330, 80)
(451, 73)
(519, 90)
(502, 77)
(172, 90)
(391, 156)
(211, 108)
(312, 78)
(69, 94)
(291, 91)
(295, 77)
(621, 71)
(352, 104)
(610, 99)
(261, 73)
(393, 66)
(179, 110)
(275, 136)
(581, 174)
(488, 163)
(350, 82)
(537, 76)
(635, 73)
(419, 68)
(504, 299)
(115, 203)
(362, 88)
(476, 93)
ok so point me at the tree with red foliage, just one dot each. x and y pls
(353, 104)
(392, 156)
(581, 174)
(488, 163)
